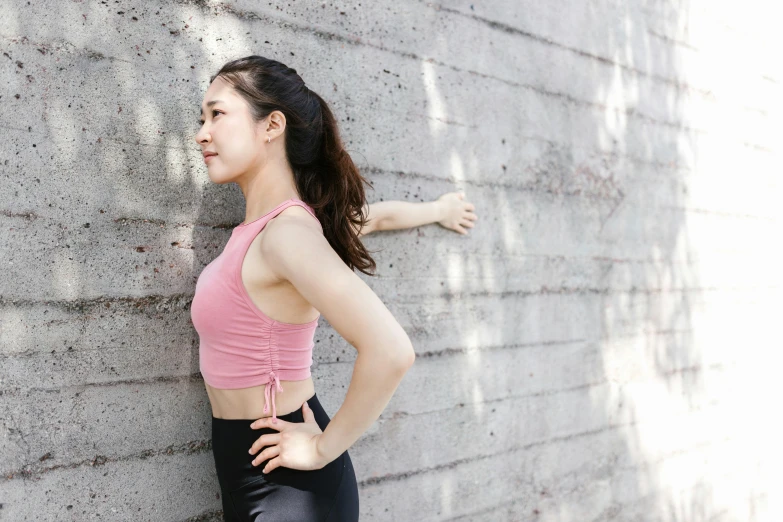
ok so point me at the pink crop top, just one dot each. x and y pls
(239, 345)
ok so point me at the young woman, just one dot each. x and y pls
(256, 307)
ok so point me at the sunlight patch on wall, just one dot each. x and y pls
(436, 107)
(446, 495)
(177, 164)
(63, 271)
(147, 121)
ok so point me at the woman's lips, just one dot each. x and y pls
(209, 157)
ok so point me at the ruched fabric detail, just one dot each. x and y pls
(274, 383)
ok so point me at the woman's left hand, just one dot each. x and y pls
(295, 446)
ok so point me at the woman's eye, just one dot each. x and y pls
(201, 122)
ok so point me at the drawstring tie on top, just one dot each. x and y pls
(274, 382)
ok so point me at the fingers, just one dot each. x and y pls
(265, 440)
(272, 464)
(307, 413)
(268, 453)
(266, 422)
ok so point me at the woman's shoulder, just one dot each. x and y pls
(294, 224)
(292, 241)
(295, 214)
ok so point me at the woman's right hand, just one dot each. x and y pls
(457, 214)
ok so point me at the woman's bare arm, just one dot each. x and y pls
(449, 210)
(355, 312)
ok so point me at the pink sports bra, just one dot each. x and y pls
(239, 345)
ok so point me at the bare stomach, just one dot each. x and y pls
(248, 403)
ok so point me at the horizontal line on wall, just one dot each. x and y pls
(187, 448)
(611, 512)
(394, 477)
(566, 290)
(173, 379)
(661, 375)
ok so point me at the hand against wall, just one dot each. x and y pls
(457, 213)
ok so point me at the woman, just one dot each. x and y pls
(277, 453)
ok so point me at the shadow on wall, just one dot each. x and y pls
(560, 363)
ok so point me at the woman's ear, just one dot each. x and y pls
(276, 124)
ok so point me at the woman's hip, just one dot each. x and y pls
(231, 441)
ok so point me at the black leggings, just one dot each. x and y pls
(326, 494)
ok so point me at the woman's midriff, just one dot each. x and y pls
(248, 403)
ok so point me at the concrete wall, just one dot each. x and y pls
(600, 347)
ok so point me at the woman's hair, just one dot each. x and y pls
(325, 175)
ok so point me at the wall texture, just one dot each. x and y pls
(601, 346)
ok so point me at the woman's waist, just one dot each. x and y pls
(248, 403)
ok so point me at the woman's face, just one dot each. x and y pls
(228, 130)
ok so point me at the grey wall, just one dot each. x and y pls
(601, 346)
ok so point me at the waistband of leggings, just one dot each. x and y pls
(294, 416)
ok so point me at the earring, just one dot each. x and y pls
(268, 139)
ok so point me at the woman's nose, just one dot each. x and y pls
(201, 136)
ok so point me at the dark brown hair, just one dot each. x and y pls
(325, 175)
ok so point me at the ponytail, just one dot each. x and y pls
(338, 195)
